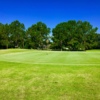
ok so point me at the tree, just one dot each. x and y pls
(37, 35)
(59, 35)
(64, 35)
(17, 33)
(4, 35)
(98, 41)
(74, 35)
(89, 35)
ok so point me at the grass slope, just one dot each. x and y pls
(48, 75)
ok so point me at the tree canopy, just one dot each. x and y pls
(71, 35)
(17, 32)
(37, 35)
(74, 35)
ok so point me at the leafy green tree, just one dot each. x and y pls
(4, 35)
(74, 35)
(64, 35)
(37, 35)
(98, 40)
(17, 33)
(89, 35)
(59, 35)
(73, 43)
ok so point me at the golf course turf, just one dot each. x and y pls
(49, 75)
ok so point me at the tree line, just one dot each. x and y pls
(71, 35)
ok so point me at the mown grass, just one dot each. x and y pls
(42, 75)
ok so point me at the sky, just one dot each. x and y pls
(50, 12)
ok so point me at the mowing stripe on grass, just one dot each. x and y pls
(65, 64)
(56, 64)
(59, 64)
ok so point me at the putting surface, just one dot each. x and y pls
(50, 57)
(49, 75)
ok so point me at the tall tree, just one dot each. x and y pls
(74, 35)
(98, 40)
(17, 32)
(59, 35)
(89, 35)
(4, 35)
(38, 35)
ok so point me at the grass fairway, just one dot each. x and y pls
(49, 75)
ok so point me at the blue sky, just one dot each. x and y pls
(51, 12)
